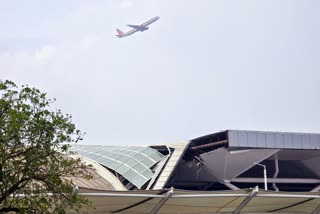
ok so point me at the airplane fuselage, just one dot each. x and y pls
(143, 28)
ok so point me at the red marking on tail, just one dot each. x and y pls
(120, 33)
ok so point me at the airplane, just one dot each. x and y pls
(135, 28)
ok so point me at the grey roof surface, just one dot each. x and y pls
(279, 140)
(96, 183)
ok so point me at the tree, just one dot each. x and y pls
(34, 162)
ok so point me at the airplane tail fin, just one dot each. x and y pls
(120, 33)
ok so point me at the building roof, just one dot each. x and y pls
(275, 140)
(229, 159)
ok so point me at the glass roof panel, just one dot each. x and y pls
(115, 165)
(130, 175)
(123, 159)
(147, 173)
(148, 162)
(148, 152)
(140, 148)
(123, 169)
(140, 168)
(132, 162)
(139, 181)
(130, 153)
(156, 156)
(106, 162)
(140, 157)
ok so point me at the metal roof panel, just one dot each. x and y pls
(267, 139)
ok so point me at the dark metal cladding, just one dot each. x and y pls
(275, 140)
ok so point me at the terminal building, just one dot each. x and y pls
(231, 171)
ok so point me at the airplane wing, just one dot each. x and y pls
(135, 26)
(150, 21)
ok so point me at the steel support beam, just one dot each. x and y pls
(287, 196)
(194, 148)
(101, 194)
(278, 180)
(211, 195)
(316, 211)
(316, 189)
(246, 200)
(162, 202)
(230, 186)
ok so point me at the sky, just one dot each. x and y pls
(204, 66)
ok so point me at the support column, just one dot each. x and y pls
(276, 163)
(246, 201)
(162, 202)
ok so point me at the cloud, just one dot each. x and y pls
(126, 4)
(85, 11)
(89, 41)
(22, 57)
(44, 53)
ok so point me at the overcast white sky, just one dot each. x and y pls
(204, 66)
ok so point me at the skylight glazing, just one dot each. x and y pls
(132, 162)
